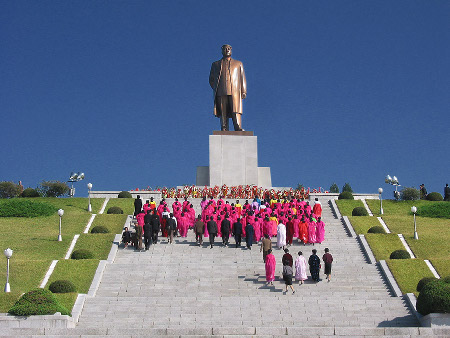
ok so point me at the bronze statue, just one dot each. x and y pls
(227, 79)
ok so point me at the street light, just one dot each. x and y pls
(8, 253)
(414, 210)
(393, 181)
(89, 186)
(74, 177)
(60, 213)
(380, 191)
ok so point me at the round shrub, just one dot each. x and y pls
(345, 195)
(424, 281)
(99, 229)
(434, 298)
(115, 210)
(409, 194)
(434, 196)
(82, 254)
(400, 254)
(376, 230)
(360, 211)
(37, 302)
(62, 286)
(30, 192)
(25, 208)
(124, 194)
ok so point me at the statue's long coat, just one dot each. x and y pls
(238, 83)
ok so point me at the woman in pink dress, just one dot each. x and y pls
(312, 232)
(320, 231)
(270, 267)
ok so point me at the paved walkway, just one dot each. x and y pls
(186, 289)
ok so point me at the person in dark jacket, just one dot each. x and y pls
(226, 229)
(137, 205)
(249, 233)
(212, 229)
(199, 229)
(237, 232)
(147, 232)
(156, 226)
(314, 266)
(170, 228)
(126, 237)
(287, 258)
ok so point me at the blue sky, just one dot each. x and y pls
(338, 91)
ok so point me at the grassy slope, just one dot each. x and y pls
(363, 223)
(127, 205)
(35, 245)
(408, 272)
(346, 206)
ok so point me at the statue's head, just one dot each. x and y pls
(226, 50)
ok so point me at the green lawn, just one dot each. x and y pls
(114, 223)
(408, 272)
(392, 207)
(346, 206)
(127, 205)
(24, 275)
(80, 272)
(98, 244)
(34, 244)
(382, 245)
(442, 266)
(363, 223)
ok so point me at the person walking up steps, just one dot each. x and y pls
(327, 260)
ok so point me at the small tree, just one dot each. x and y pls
(347, 187)
(9, 189)
(409, 194)
(53, 188)
(300, 187)
(334, 188)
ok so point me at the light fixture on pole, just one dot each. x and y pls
(393, 181)
(74, 177)
(8, 253)
(60, 213)
(380, 191)
(89, 186)
(414, 210)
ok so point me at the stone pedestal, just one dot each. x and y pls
(233, 160)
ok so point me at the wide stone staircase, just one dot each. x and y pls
(183, 289)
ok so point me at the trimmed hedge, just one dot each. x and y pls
(400, 254)
(346, 195)
(360, 211)
(376, 230)
(424, 281)
(124, 194)
(115, 210)
(62, 286)
(434, 196)
(99, 229)
(30, 192)
(434, 210)
(434, 298)
(82, 254)
(25, 208)
(38, 302)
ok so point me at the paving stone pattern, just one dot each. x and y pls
(186, 289)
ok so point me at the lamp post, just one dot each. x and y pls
(8, 253)
(393, 181)
(89, 186)
(414, 210)
(380, 191)
(60, 213)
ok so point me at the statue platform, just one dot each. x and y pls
(233, 160)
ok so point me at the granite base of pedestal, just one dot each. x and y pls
(233, 160)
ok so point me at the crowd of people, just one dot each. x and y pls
(285, 219)
(255, 221)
